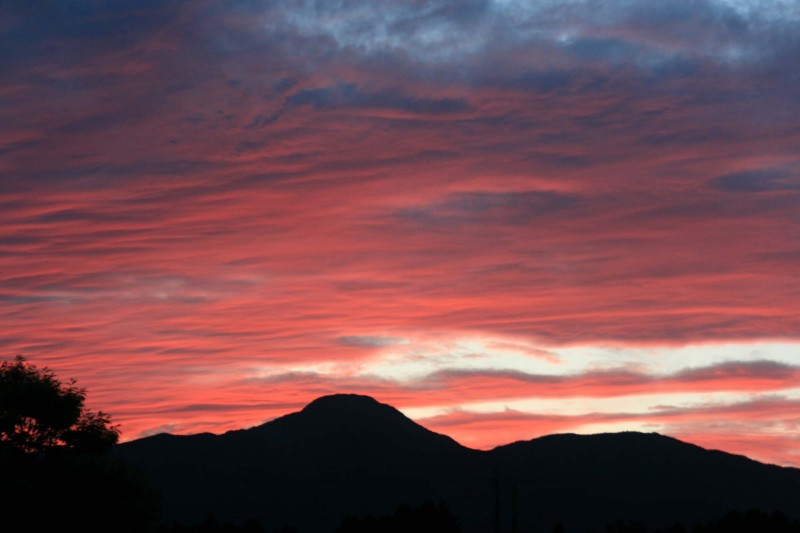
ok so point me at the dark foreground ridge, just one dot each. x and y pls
(351, 455)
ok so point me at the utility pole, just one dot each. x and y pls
(496, 500)
(514, 508)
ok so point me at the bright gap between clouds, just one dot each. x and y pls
(418, 356)
(408, 359)
(637, 404)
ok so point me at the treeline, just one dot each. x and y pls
(60, 491)
(213, 525)
(753, 521)
(428, 517)
(436, 518)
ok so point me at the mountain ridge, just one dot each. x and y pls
(350, 454)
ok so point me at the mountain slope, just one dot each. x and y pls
(645, 477)
(342, 454)
(349, 454)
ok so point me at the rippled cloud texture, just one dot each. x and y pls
(506, 218)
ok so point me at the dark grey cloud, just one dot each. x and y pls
(76, 215)
(488, 207)
(545, 81)
(349, 96)
(640, 34)
(615, 51)
(705, 20)
(62, 32)
(727, 371)
(762, 369)
(369, 341)
(760, 180)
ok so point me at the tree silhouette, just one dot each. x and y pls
(753, 520)
(39, 413)
(53, 474)
(425, 518)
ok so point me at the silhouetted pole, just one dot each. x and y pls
(496, 500)
(514, 525)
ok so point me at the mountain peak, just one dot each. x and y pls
(353, 408)
(349, 402)
(354, 421)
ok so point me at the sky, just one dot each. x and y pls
(506, 218)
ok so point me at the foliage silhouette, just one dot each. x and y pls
(623, 527)
(213, 525)
(751, 521)
(53, 473)
(425, 518)
(39, 413)
(675, 528)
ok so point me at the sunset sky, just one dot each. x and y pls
(506, 218)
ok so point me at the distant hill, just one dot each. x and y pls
(351, 455)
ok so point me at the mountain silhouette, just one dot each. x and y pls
(643, 477)
(351, 455)
(345, 422)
